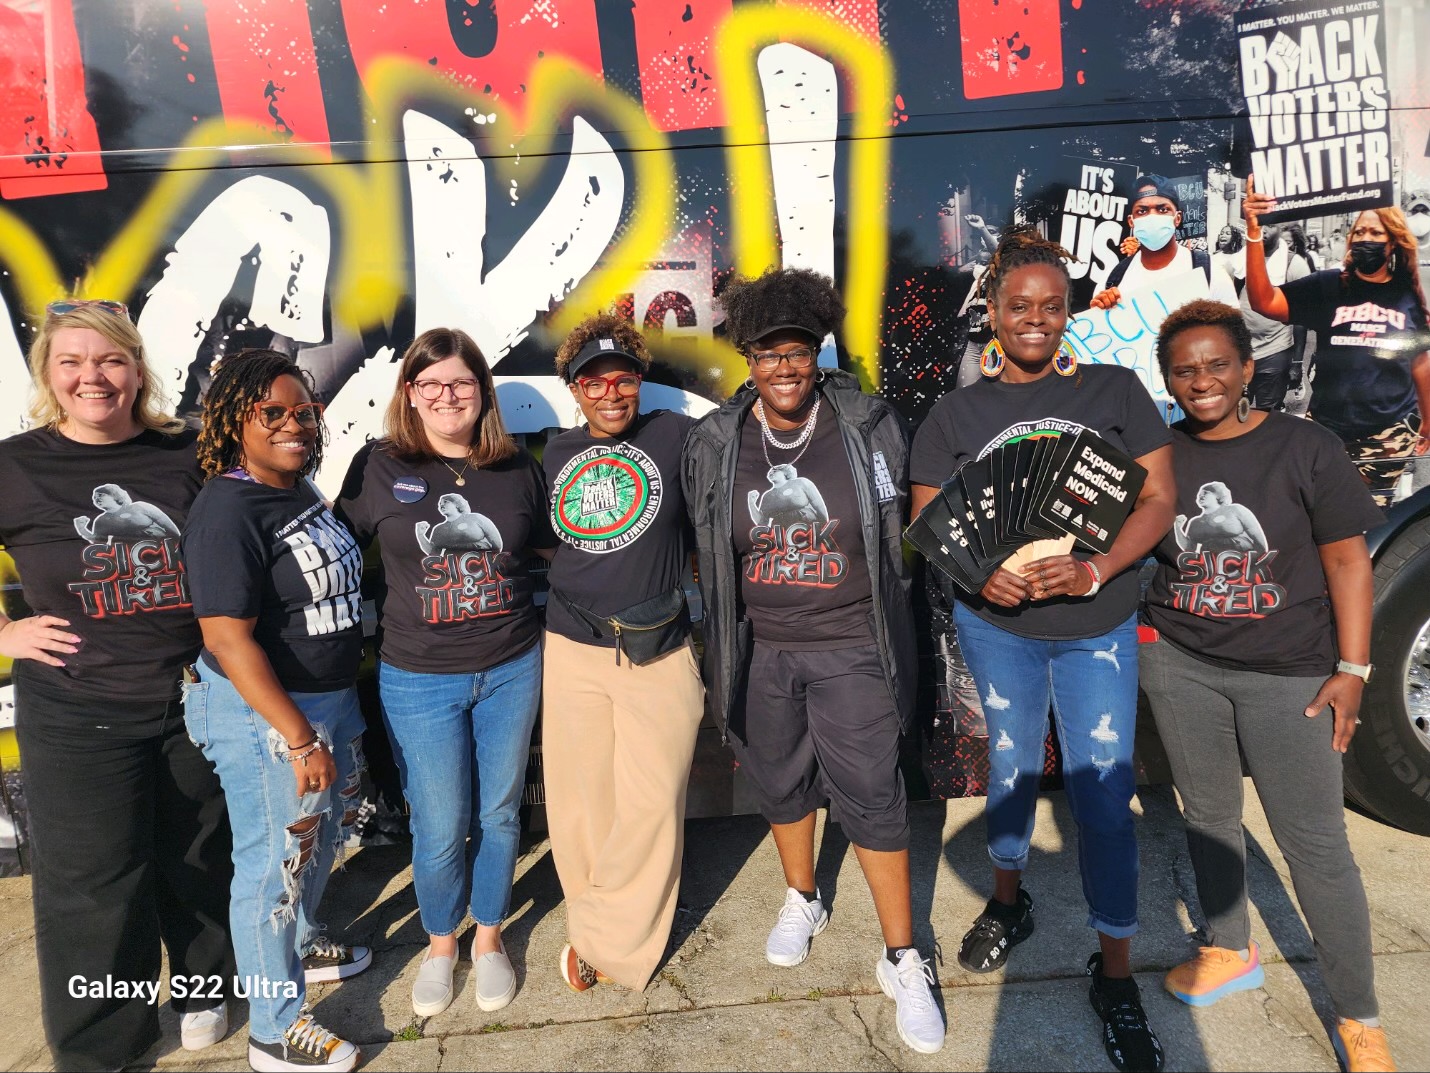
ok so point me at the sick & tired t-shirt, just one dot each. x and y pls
(278, 555)
(458, 596)
(1239, 581)
(94, 531)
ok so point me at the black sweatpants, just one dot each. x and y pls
(131, 846)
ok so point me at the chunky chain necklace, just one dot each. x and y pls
(799, 443)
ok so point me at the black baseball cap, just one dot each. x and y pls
(788, 324)
(602, 346)
(1156, 186)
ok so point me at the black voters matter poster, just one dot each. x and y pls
(1318, 128)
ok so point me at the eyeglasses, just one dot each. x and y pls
(596, 388)
(432, 390)
(273, 415)
(799, 358)
(62, 306)
(1160, 209)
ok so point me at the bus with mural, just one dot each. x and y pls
(330, 178)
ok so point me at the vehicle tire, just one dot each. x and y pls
(1387, 770)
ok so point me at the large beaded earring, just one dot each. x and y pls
(1243, 406)
(1065, 360)
(990, 363)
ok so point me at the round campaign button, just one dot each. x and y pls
(408, 489)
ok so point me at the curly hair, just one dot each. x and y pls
(240, 383)
(798, 296)
(1019, 247)
(1203, 313)
(604, 325)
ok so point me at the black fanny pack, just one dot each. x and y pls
(644, 631)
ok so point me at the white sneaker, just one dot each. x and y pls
(203, 1028)
(907, 983)
(800, 921)
(432, 990)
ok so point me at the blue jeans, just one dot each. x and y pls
(463, 740)
(284, 846)
(1091, 684)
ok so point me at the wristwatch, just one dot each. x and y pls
(1360, 670)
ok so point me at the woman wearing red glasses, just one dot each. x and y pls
(128, 824)
(455, 506)
(622, 693)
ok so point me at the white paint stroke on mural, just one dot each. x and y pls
(14, 376)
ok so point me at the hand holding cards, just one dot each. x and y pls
(1045, 488)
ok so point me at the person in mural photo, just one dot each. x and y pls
(1246, 667)
(459, 662)
(809, 634)
(276, 588)
(1060, 631)
(618, 724)
(129, 829)
(1371, 383)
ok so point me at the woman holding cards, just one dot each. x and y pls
(1244, 665)
(1060, 629)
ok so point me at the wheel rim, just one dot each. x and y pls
(1417, 686)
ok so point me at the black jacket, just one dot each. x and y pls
(868, 426)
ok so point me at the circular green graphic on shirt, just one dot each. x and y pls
(605, 498)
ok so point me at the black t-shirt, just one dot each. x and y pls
(279, 556)
(968, 423)
(618, 510)
(1250, 514)
(94, 530)
(804, 578)
(458, 596)
(1366, 336)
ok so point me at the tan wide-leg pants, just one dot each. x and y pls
(616, 746)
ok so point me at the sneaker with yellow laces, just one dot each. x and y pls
(1362, 1049)
(1215, 973)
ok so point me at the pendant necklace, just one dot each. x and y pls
(800, 442)
(461, 478)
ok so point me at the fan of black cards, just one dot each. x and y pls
(1046, 488)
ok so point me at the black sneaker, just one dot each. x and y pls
(306, 1045)
(327, 961)
(1126, 1035)
(997, 930)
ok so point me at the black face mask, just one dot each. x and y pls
(1368, 257)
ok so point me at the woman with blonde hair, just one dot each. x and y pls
(128, 823)
(456, 506)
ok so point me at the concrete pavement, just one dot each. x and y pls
(718, 1005)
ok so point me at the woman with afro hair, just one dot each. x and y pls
(622, 697)
(798, 493)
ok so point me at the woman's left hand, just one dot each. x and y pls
(1422, 444)
(1057, 575)
(1342, 692)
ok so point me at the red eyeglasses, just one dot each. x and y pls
(596, 388)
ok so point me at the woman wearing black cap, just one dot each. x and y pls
(798, 490)
(622, 694)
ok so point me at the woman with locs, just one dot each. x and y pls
(1060, 630)
(1262, 654)
(455, 506)
(128, 825)
(622, 694)
(809, 634)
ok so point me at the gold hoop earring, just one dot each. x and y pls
(990, 362)
(1065, 360)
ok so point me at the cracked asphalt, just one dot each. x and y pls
(716, 1004)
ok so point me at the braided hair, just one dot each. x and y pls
(239, 384)
(1019, 247)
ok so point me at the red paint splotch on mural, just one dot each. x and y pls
(1010, 48)
(267, 70)
(48, 141)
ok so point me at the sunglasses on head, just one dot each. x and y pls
(62, 306)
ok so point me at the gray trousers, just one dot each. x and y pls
(1208, 717)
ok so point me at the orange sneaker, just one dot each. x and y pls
(1213, 974)
(1362, 1049)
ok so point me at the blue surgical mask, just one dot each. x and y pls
(1153, 231)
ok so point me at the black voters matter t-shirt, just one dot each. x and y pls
(1239, 580)
(1366, 336)
(458, 596)
(972, 421)
(94, 531)
(804, 578)
(279, 556)
(617, 508)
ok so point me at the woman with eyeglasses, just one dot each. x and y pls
(456, 507)
(809, 631)
(275, 582)
(128, 826)
(623, 697)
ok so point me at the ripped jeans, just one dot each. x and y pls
(284, 846)
(1091, 684)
